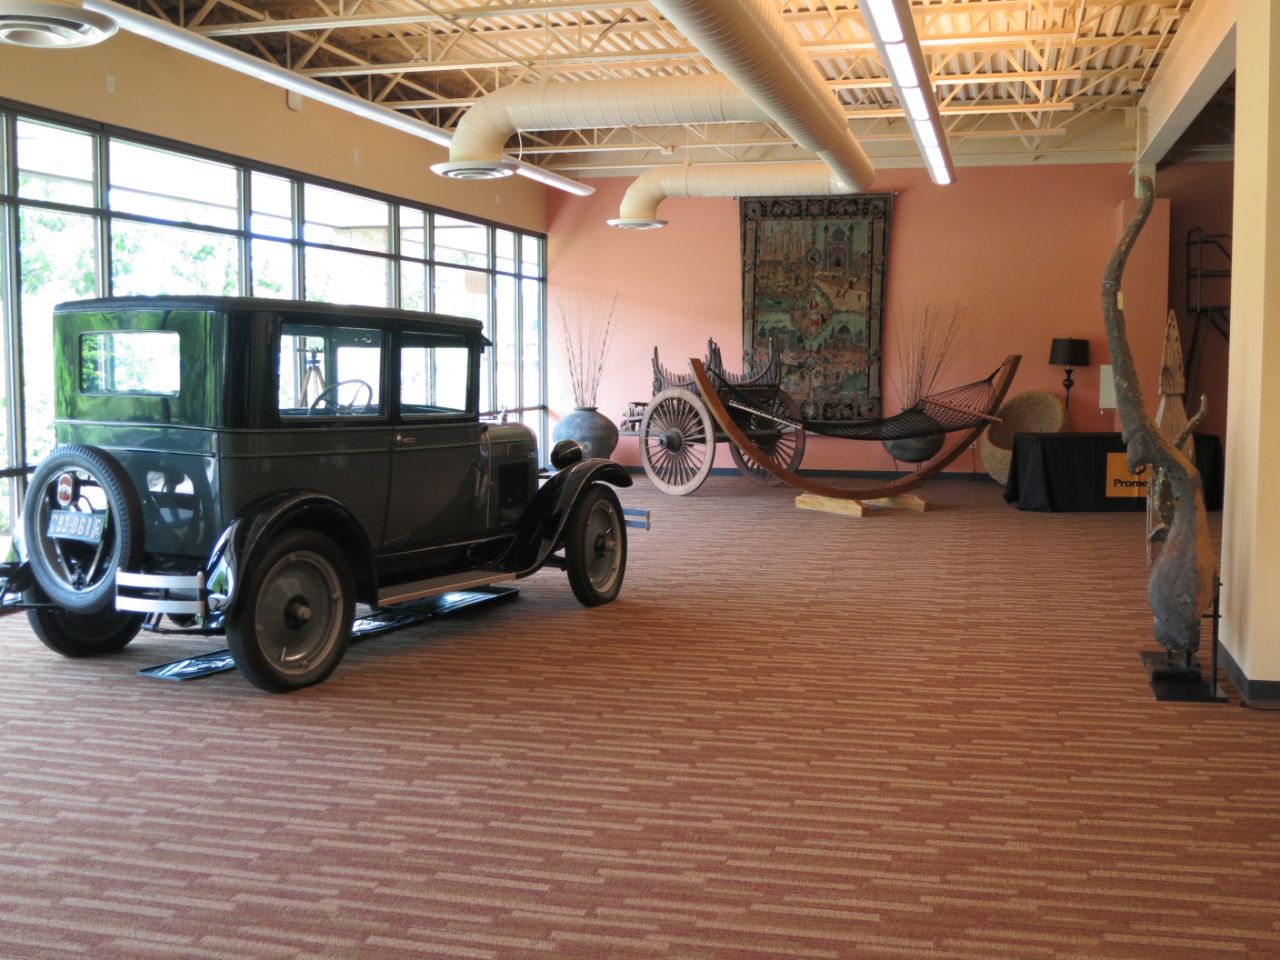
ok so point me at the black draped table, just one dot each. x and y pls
(1076, 471)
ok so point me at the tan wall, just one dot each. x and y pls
(167, 93)
(1251, 518)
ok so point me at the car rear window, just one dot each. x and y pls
(133, 362)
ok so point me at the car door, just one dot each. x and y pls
(438, 471)
(328, 429)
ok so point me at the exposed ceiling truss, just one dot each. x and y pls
(1016, 80)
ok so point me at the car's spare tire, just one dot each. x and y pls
(82, 522)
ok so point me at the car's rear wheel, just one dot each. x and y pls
(595, 546)
(82, 523)
(81, 634)
(293, 622)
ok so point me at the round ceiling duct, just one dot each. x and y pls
(473, 169)
(51, 24)
(637, 223)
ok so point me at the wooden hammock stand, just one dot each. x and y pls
(852, 501)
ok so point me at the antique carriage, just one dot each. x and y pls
(678, 435)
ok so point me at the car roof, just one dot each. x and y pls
(463, 325)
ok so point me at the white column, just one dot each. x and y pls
(1251, 520)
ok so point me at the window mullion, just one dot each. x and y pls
(428, 249)
(544, 334)
(245, 192)
(12, 290)
(393, 244)
(102, 223)
(299, 264)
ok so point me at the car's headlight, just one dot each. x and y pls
(566, 453)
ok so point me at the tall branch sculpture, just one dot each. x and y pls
(1180, 586)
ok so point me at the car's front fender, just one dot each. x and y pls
(256, 524)
(542, 524)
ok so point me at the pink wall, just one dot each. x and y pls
(1022, 250)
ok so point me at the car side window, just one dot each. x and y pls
(329, 371)
(434, 372)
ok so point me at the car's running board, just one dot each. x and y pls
(370, 625)
(469, 580)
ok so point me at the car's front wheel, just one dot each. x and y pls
(595, 546)
(81, 634)
(293, 622)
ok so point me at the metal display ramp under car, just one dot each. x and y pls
(370, 624)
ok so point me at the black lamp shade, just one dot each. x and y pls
(1067, 352)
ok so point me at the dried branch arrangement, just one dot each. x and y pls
(584, 335)
(926, 345)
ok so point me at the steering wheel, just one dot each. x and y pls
(328, 397)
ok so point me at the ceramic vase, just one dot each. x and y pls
(591, 428)
(915, 449)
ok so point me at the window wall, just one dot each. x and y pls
(89, 211)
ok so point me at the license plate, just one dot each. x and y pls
(73, 525)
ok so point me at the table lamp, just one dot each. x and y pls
(1069, 353)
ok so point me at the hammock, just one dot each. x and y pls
(955, 409)
(960, 408)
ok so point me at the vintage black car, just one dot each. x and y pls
(261, 466)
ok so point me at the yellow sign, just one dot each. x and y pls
(1122, 483)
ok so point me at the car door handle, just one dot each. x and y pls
(404, 440)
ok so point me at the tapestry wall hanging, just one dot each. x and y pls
(813, 284)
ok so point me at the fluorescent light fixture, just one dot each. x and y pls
(894, 33)
(917, 107)
(884, 15)
(925, 133)
(552, 179)
(206, 49)
(179, 39)
(901, 65)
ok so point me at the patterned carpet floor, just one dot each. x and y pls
(795, 735)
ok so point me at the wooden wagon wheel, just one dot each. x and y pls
(786, 450)
(677, 441)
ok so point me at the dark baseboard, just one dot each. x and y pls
(1259, 694)
(849, 474)
(891, 475)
